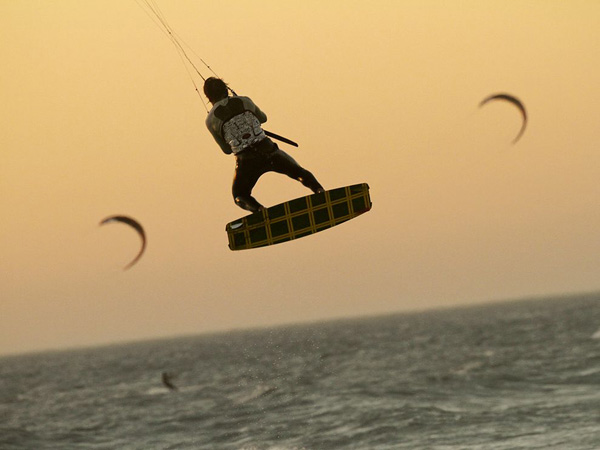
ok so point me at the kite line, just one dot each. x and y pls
(152, 10)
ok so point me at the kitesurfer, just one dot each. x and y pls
(166, 379)
(235, 123)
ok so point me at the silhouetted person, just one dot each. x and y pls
(166, 379)
(235, 123)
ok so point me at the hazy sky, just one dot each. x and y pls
(99, 117)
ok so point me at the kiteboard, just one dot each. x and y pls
(299, 217)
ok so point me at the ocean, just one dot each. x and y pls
(511, 375)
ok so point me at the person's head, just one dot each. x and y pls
(215, 89)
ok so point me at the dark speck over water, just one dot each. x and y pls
(516, 375)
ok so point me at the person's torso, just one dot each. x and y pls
(238, 126)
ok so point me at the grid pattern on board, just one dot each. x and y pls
(300, 217)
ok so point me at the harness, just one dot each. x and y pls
(241, 128)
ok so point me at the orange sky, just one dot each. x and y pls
(100, 118)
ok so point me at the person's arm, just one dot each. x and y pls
(224, 145)
(251, 106)
(218, 138)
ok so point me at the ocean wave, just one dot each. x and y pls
(516, 376)
(257, 392)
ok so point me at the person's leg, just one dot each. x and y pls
(246, 175)
(283, 163)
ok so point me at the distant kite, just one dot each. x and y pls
(515, 101)
(132, 223)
